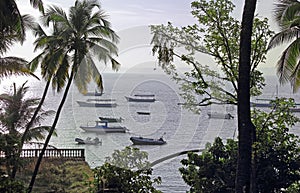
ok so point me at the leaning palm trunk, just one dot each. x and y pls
(30, 124)
(38, 163)
(245, 126)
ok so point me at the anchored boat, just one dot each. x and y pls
(102, 127)
(147, 141)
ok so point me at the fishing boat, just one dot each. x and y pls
(88, 141)
(147, 141)
(111, 119)
(218, 115)
(102, 127)
(140, 99)
(96, 104)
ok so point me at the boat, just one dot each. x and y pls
(99, 128)
(144, 95)
(96, 93)
(96, 104)
(143, 113)
(255, 104)
(218, 115)
(139, 99)
(88, 141)
(111, 119)
(100, 100)
(147, 141)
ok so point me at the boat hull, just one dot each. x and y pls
(90, 104)
(220, 115)
(103, 129)
(140, 99)
(111, 119)
(147, 141)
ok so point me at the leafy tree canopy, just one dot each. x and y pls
(217, 35)
(276, 154)
(117, 173)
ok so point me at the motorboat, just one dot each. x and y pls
(102, 127)
(111, 119)
(218, 115)
(147, 141)
(140, 99)
(96, 93)
(144, 95)
(96, 104)
(143, 113)
(88, 141)
(101, 100)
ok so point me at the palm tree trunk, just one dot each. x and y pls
(38, 163)
(29, 125)
(245, 125)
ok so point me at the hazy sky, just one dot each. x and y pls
(127, 15)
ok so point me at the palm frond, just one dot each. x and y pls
(284, 36)
(37, 4)
(14, 66)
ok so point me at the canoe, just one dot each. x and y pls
(147, 141)
(143, 113)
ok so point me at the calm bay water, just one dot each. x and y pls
(182, 129)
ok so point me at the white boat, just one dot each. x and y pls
(140, 98)
(102, 127)
(88, 141)
(218, 115)
(96, 104)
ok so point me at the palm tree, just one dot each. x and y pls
(16, 110)
(287, 16)
(245, 126)
(85, 34)
(12, 29)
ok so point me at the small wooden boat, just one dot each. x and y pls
(139, 99)
(88, 141)
(111, 119)
(98, 128)
(218, 115)
(147, 141)
(96, 104)
(143, 113)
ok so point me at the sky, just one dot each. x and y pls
(130, 19)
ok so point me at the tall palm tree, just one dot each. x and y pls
(16, 111)
(85, 34)
(245, 126)
(287, 16)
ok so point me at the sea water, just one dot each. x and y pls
(181, 128)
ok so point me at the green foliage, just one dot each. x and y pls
(287, 16)
(16, 111)
(117, 174)
(8, 185)
(217, 35)
(276, 153)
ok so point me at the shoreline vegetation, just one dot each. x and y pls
(58, 175)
